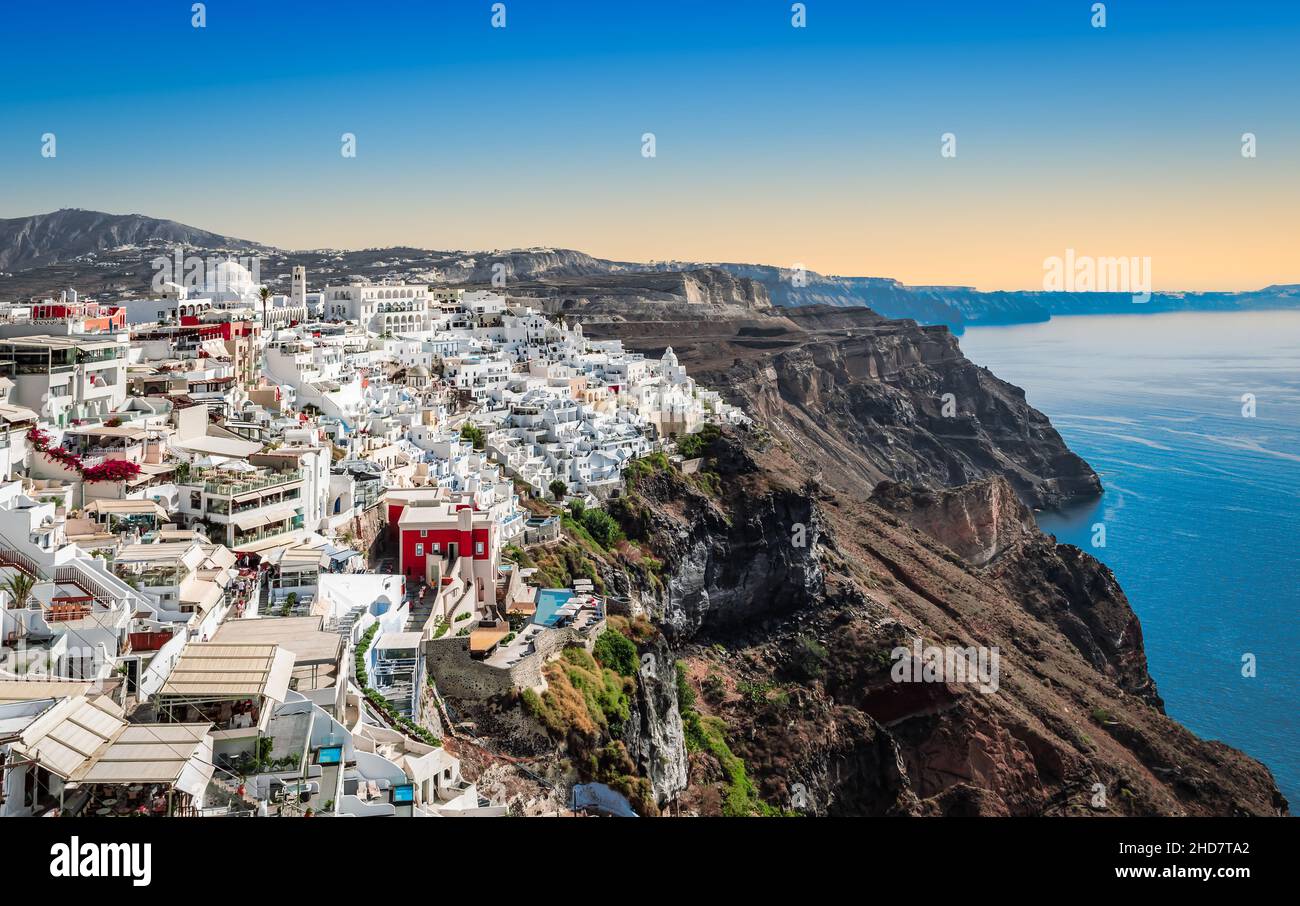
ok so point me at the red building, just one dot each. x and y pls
(448, 539)
(94, 318)
(399, 499)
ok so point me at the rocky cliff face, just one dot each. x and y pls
(977, 521)
(627, 298)
(959, 306)
(985, 524)
(887, 400)
(654, 735)
(797, 661)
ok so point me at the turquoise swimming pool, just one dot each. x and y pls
(549, 600)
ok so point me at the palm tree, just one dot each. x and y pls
(19, 587)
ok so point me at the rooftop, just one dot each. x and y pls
(211, 670)
(304, 637)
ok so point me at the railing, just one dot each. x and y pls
(257, 505)
(76, 575)
(266, 533)
(232, 488)
(18, 560)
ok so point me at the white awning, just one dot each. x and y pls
(264, 517)
(201, 593)
(68, 736)
(179, 755)
(215, 348)
(211, 670)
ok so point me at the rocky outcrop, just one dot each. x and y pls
(729, 569)
(654, 735)
(644, 296)
(977, 521)
(806, 690)
(898, 402)
(1062, 585)
(984, 522)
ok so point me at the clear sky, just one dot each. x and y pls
(774, 144)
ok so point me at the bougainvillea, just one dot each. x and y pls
(109, 470)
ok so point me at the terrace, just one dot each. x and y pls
(225, 484)
(233, 686)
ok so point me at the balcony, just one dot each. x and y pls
(234, 487)
(242, 539)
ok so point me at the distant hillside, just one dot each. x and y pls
(64, 235)
(108, 255)
(959, 306)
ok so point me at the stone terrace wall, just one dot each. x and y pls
(460, 676)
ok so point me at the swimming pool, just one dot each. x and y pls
(549, 600)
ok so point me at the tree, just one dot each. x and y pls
(19, 586)
(602, 527)
(558, 489)
(474, 435)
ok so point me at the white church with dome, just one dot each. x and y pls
(224, 285)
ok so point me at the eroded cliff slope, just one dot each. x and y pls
(787, 600)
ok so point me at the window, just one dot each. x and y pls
(478, 548)
(424, 533)
(419, 550)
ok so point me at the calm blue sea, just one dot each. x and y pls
(1202, 504)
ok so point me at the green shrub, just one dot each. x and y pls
(685, 694)
(713, 688)
(602, 528)
(581, 696)
(616, 651)
(693, 446)
(474, 435)
(808, 658)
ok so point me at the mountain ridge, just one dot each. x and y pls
(67, 242)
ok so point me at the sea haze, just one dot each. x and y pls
(1202, 504)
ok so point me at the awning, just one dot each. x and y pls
(67, 737)
(127, 508)
(484, 639)
(200, 593)
(25, 690)
(179, 755)
(215, 348)
(265, 517)
(210, 670)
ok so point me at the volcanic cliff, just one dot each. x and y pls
(787, 600)
(881, 503)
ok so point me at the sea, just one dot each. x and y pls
(1192, 420)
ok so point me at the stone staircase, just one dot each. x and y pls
(421, 610)
(348, 620)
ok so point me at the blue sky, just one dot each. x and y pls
(817, 145)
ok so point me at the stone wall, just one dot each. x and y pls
(458, 675)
